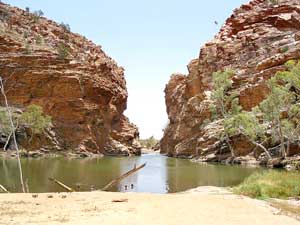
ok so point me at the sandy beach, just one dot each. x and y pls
(205, 205)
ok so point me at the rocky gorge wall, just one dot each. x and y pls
(76, 83)
(255, 42)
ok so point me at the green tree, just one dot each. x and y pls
(278, 101)
(225, 104)
(34, 119)
(281, 108)
(246, 123)
(62, 50)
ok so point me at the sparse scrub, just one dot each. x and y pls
(26, 34)
(62, 50)
(4, 122)
(65, 26)
(273, 2)
(4, 14)
(28, 49)
(37, 15)
(38, 40)
(284, 49)
(270, 184)
(149, 142)
(34, 119)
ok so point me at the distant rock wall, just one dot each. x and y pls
(76, 83)
(255, 42)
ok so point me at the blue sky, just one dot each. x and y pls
(150, 39)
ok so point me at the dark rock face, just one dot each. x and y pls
(255, 42)
(83, 90)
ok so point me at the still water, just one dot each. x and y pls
(161, 174)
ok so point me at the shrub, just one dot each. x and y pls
(28, 49)
(62, 50)
(65, 26)
(27, 9)
(284, 49)
(148, 143)
(271, 184)
(37, 15)
(34, 119)
(4, 122)
(4, 14)
(274, 2)
(38, 39)
(26, 34)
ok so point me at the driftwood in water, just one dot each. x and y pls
(61, 184)
(115, 181)
(3, 189)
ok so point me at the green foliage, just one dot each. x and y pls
(283, 99)
(34, 119)
(284, 49)
(245, 123)
(38, 40)
(62, 50)
(277, 101)
(28, 49)
(148, 143)
(224, 103)
(5, 127)
(280, 110)
(27, 9)
(271, 184)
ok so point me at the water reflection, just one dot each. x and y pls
(161, 174)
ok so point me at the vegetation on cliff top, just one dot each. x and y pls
(270, 184)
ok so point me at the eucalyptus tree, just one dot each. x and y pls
(225, 103)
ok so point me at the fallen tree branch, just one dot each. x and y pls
(61, 184)
(3, 189)
(115, 181)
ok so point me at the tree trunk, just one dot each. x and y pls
(282, 147)
(262, 147)
(13, 134)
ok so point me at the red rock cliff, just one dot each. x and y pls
(255, 42)
(76, 83)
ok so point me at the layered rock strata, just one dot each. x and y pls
(255, 42)
(76, 83)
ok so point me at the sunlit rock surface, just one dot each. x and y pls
(255, 42)
(84, 92)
